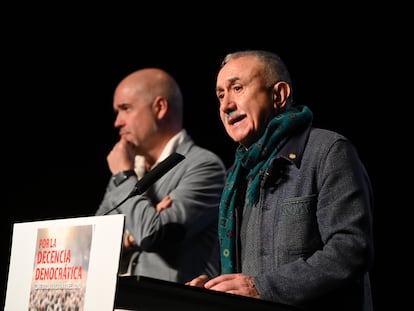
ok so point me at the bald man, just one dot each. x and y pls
(171, 229)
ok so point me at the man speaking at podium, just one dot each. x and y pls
(171, 228)
(296, 210)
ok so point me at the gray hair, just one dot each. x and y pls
(274, 67)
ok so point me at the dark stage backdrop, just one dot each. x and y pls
(60, 76)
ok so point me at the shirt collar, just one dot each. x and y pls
(171, 147)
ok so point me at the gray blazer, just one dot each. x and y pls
(180, 242)
(309, 241)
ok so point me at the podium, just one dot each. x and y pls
(79, 258)
(52, 260)
(144, 293)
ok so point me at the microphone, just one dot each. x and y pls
(152, 176)
(156, 173)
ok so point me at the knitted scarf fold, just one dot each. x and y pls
(254, 161)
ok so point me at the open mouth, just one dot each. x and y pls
(234, 117)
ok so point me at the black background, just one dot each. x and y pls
(60, 70)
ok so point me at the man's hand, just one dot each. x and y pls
(121, 157)
(235, 283)
(164, 204)
(129, 241)
(198, 281)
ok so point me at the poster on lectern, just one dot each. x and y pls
(65, 264)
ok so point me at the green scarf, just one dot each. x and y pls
(254, 161)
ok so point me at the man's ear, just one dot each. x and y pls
(160, 107)
(281, 92)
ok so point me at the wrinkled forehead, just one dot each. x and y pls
(242, 69)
